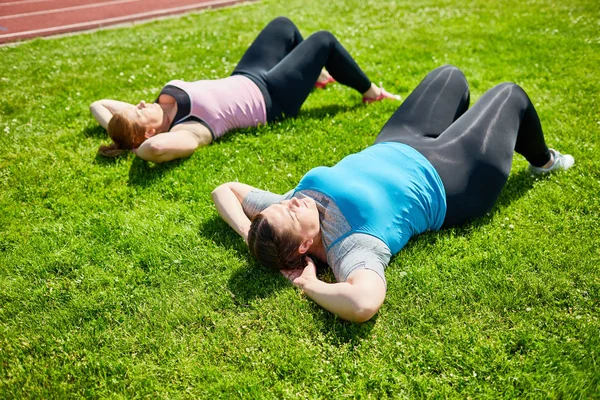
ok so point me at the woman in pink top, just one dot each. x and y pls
(271, 81)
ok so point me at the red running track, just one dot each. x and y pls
(24, 19)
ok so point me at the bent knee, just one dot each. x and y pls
(511, 90)
(450, 68)
(323, 37)
(509, 86)
(282, 22)
(454, 71)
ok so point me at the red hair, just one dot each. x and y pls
(126, 135)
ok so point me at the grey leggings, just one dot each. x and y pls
(471, 149)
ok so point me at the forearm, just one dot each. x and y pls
(230, 209)
(358, 299)
(103, 110)
(101, 114)
(338, 298)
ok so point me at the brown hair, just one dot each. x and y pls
(126, 135)
(275, 250)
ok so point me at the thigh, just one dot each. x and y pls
(474, 155)
(291, 80)
(436, 102)
(273, 43)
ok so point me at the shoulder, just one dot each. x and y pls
(358, 251)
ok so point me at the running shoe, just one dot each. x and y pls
(561, 162)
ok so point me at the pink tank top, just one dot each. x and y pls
(225, 104)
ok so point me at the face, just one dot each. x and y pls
(298, 215)
(148, 115)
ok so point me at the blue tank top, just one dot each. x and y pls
(389, 190)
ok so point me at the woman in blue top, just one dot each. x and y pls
(436, 163)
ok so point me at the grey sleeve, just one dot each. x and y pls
(257, 200)
(359, 251)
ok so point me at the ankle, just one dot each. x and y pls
(550, 162)
(373, 92)
(323, 76)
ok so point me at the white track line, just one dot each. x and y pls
(57, 10)
(14, 3)
(116, 19)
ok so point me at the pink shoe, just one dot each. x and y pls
(321, 85)
(383, 95)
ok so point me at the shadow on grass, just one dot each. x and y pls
(222, 235)
(255, 282)
(327, 111)
(517, 185)
(248, 283)
(317, 113)
(144, 173)
(95, 131)
(338, 331)
(103, 160)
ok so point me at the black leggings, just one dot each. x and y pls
(285, 67)
(471, 149)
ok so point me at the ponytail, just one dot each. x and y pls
(112, 150)
(126, 135)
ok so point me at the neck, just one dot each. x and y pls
(166, 122)
(169, 111)
(317, 249)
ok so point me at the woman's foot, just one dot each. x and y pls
(378, 93)
(324, 80)
(557, 162)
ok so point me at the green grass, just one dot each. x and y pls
(119, 280)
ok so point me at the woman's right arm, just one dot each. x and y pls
(228, 199)
(357, 300)
(103, 110)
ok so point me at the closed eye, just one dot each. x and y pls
(292, 215)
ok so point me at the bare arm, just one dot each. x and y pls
(180, 142)
(104, 109)
(228, 199)
(357, 300)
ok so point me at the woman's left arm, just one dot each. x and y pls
(357, 300)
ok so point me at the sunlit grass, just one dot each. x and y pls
(118, 279)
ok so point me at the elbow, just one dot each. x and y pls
(215, 193)
(364, 311)
(95, 108)
(364, 314)
(97, 105)
(218, 190)
(154, 151)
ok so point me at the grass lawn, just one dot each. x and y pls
(118, 279)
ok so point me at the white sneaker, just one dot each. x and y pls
(561, 162)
